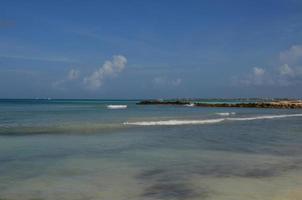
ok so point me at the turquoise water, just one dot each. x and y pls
(81, 149)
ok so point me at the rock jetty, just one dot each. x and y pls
(285, 104)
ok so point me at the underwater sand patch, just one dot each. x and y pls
(293, 194)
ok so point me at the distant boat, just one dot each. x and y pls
(117, 106)
(190, 105)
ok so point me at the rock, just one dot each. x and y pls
(284, 104)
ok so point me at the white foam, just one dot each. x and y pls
(226, 113)
(116, 106)
(190, 105)
(174, 122)
(205, 121)
(264, 117)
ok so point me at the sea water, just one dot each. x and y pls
(82, 149)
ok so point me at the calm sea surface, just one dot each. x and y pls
(83, 150)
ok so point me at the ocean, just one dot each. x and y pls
(96, 150)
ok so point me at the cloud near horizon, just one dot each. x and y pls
(288, 73)
(73, 74)
(110, 68)
(164, 81)
(257, 77)
(292, 55)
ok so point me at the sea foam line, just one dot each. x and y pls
(174, 122)
(226, 113)
(116, 106)
(206, 121)
(264, 117)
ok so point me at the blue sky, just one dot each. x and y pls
(150, 49)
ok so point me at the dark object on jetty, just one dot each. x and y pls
(285, 104)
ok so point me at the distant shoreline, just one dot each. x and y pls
(231, 103)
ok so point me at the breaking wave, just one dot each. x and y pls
(206, 121)
(226, 113)
(95, 127)
(174, 122)
(116, 106)
(264, 117)
(190, 105)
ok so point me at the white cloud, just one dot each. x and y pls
(109, 69)
(257, 77)
(291, 55)
(282, 76)
(258, 72)
(73, 74)
(286, 70)
(163, 81)
(288, 73)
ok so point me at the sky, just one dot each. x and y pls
(117, 49)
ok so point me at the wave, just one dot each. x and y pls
(117, 106)
(264, 117)
(95, 127)
(206, 121)
(226, 113)
(174, 122)
(190, 105)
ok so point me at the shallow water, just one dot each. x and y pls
(67, 149)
